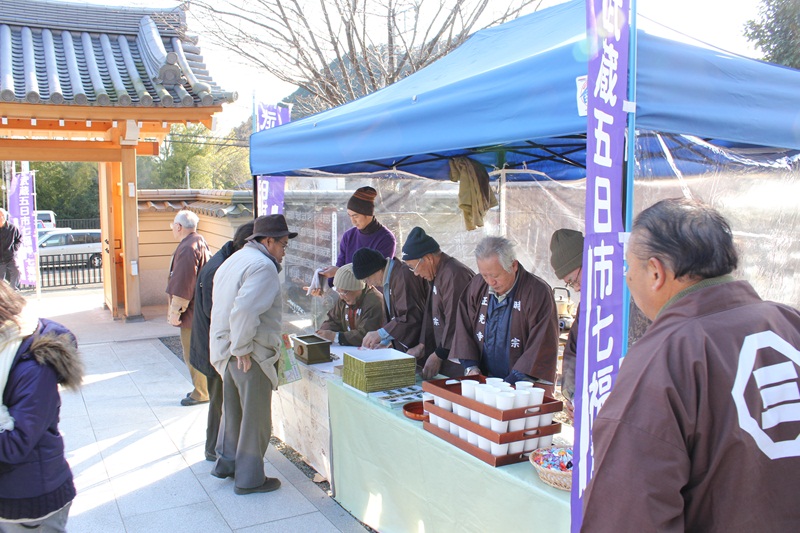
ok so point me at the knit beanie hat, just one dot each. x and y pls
(345, 280)
(566, 251)
(366, 262)
(419, 244)
(363, 201)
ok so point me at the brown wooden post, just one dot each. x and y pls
(130, 222)
(107, 225)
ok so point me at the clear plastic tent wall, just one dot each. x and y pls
(756, 189)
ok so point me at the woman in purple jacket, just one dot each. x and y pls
(366, 232)
(36, 487)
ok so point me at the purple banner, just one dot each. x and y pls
(21, 207)
(269, 116)
(600, 337)
(269, 191)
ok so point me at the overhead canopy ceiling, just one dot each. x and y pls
(509, 97)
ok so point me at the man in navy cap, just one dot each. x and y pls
(448, 278)
(403, 295)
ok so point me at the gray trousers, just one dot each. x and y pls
(214, 413)
(10, 273)
(246, 425)
(55, 523)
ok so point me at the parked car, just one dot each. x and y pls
(48, 218)
(65, 243)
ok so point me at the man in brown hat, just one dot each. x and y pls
(246, 320)
(566, 258)
(366, 232)
(448, 278)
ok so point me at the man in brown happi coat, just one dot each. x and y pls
(403, 295)
(700, 432)
(358, 311)
(189, 257)
(448, 278)
(507, 324)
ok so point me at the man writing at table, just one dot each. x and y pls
(403, 296)
(507, 324)
(448, 278)
(358, 310)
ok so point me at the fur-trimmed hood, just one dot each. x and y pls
(59, 350)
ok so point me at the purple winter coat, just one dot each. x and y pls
(35, 478)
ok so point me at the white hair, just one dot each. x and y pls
(499, 247)
(187, 219)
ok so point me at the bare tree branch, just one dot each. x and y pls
(339, 50)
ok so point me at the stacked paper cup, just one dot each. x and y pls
(537, 397)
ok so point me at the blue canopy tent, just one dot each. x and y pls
(508, 98)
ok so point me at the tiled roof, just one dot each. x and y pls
(55, 52)
(215, 203)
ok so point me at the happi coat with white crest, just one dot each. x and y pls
(533, 331)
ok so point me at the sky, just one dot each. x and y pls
(718, 23)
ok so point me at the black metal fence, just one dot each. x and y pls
(70, 270)
(78, 223)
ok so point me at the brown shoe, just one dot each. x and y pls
(269, 485)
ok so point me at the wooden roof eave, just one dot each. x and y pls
(170, 115)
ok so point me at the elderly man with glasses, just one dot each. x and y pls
(448, 278)
(566, 258)
(244, 347)
(358, 311)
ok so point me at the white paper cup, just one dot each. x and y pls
(493, 381)
(426, 397)
(499, 426)
(546, 442)
(516, 424)
(462, 433)
(443, 424)
(472, 438)
(518, 446)
(484, 420)
(523, 385)
(434, 420)
(484, 444)
(499, 449)
(532, 422)
(490, 397)
(537, 396)
(454, 429)
(522, 398)
(546, 420)
(468, 388)
(461, 411)
(530, 445)
(474, 416)
(447, 405)
(505, 400)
